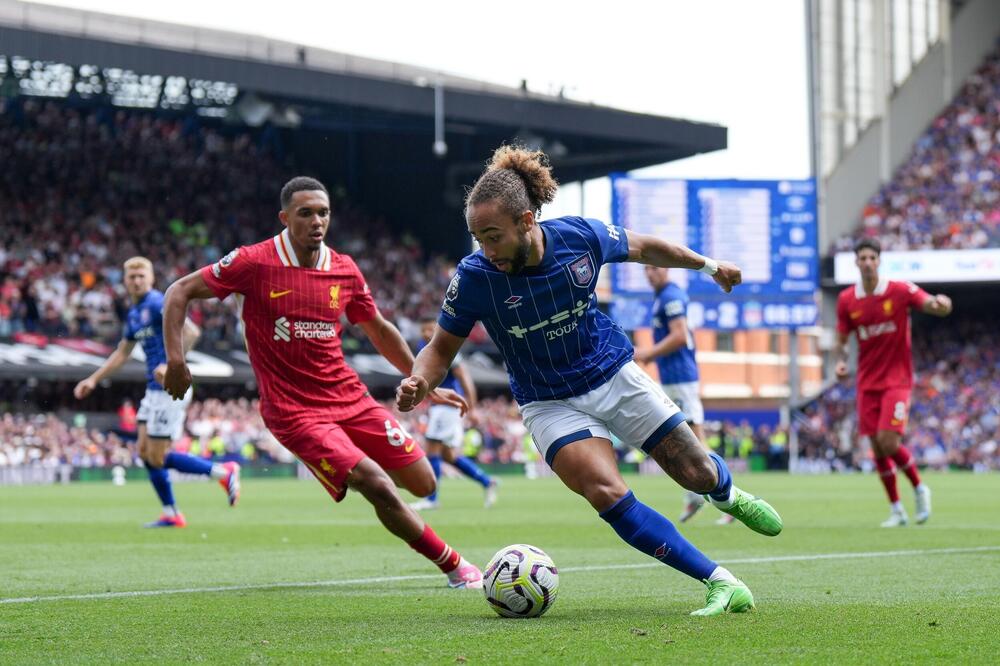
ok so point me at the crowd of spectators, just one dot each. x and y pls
(85, 188)
(947, 193)
(955, 413)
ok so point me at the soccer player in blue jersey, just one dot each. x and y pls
(674, 353)
(446, 431)
(570, 366)
(161, 420)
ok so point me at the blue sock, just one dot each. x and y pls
(436, 466)
(161, 484)
(471, 470)
(721, 492)
(646, 530)
(187, 464)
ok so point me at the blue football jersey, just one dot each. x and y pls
(555, 342)
(680, 366)
(450, 381)
(144, 324)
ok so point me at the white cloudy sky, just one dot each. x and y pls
(734, 62)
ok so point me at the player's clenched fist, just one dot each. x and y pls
(410, 393)
(728, 276)
(177, 380)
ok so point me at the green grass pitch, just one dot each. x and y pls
(287, 577)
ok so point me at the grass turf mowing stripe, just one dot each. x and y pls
(395, 579)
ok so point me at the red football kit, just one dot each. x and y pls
(311, 400)
(885, 355)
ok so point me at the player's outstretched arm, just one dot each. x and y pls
(654, 251)
(939, 306)
(429, 368)
(177, 378)
(117, 359)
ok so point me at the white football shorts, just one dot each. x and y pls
(444, 424)
(163, 416)
(630, 405)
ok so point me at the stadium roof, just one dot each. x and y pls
(374, 119)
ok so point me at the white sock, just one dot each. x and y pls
(722, 574)
(218, 471)
(897, 507)
(169, 510)
(728, 502)
(920, 487)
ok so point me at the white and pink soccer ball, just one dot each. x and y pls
(520, 581)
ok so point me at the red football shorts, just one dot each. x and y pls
(886, 409)
(331, 450)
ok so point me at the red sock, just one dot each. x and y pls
(905, 462)
(430, 545)
(888, 475)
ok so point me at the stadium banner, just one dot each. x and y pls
(940, 266)
(766, 227)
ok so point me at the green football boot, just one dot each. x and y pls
(725, 597)
(753, 512)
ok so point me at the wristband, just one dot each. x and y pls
(711, 267)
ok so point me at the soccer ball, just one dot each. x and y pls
(520, 581)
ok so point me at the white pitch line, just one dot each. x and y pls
(396, 579)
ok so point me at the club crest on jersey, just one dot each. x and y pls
(582, 271)
(887, 306)
(224, 262)
(334, 296)
(452, 292)
(144, 316)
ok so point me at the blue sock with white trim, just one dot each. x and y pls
(471, 470)
(650, 532)
(435, 462)
(721, 491)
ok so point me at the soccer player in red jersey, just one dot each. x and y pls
(293, 290)
(878, 310)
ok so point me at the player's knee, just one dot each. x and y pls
(378, 489)
(602, 495)
(422, 485)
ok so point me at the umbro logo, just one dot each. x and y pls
(282, 329)
(513, 302)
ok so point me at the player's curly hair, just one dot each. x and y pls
(517, 177)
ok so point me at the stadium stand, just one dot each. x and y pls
(947, 194)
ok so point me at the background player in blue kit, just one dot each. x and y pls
(446, 430)
(570, 366)
(161, 420)
(674, 353)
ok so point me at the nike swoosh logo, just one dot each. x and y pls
(279, 294)
(409, 447)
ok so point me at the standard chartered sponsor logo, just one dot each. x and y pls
(303, 330)
(873, 330)
(281, 329)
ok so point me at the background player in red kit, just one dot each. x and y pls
(294, 289)
(878, 310)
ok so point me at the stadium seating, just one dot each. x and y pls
(947, 194)
(955, 417)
